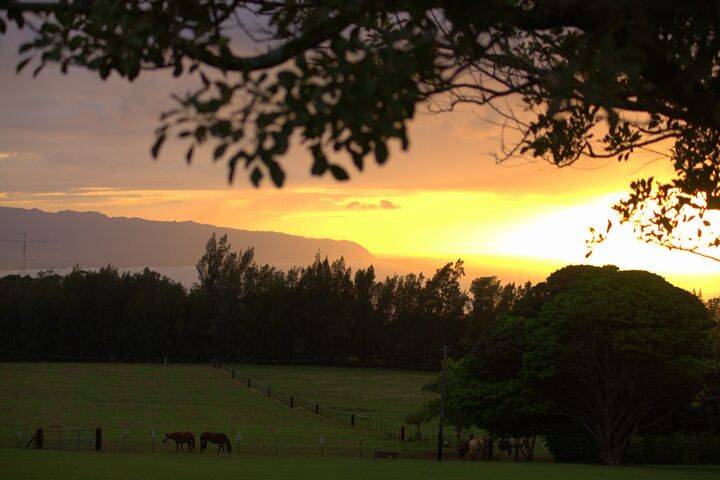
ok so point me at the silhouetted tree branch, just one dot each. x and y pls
(570, 79)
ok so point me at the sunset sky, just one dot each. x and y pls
(75, 142)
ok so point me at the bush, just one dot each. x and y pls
(677, 449)
(573, 448)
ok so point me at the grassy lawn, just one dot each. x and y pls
(383, 393)
(143, 398)
(29, 464)
(386, 394)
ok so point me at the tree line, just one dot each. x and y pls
(324, 312)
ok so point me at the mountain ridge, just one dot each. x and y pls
(93, 239)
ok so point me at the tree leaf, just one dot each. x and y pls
(219, 151)
(256, 176)
(276, 173)
(22, 64)
(339, 173)
(381, 153)
(320, 163)
(157, 145)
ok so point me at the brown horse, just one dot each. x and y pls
(462, 448)
(180, 438)
(220, 439)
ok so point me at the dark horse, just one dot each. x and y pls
(220, 438)
(180, 438)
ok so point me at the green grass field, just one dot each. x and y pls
(383, 393)
(31, 464)
(386, 394)
(142, 398)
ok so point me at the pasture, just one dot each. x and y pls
(387, 394)
(41, 465)
(384, 393)
(143, 397)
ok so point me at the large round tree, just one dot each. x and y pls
(618, 351)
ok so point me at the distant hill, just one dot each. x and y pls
(91, 239)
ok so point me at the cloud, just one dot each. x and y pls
(383, 205)
(388, 205)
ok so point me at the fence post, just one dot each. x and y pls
(61, 445)
(352, 420)
(19, 438)
(39, 438)
(276, 444)
(292, 401)
(125, 439)
(317, 409)
(402, 433)
(322, 445)
(238, 437)
(233, 373)
(154, 435)
(249, 380)
(98, 439)
(268, 391)
(360, 447)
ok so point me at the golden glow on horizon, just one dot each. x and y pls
(534, 232)
(446, 197)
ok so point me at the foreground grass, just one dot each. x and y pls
(142, 398)
(384, 393)
(29, 464)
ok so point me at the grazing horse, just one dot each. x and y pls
(180, 438)
(220, 438)
(463, 446)
(476, 448)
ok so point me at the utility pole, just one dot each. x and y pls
(442, 406)
(25, 243)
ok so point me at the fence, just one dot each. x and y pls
(389, 430)
(57, 439)
(145, 441)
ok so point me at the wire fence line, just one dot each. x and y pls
(388, 429)
(146, 441)
(120, 438)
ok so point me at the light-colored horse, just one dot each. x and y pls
(476, 448)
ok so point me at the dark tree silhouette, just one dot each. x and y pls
(613, 352)
(320, 313)
(568, 79)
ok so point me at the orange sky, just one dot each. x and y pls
(78, 143)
